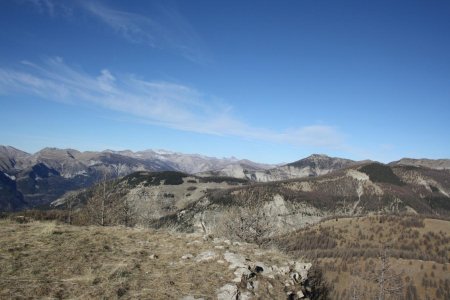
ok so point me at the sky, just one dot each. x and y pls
(270, 81)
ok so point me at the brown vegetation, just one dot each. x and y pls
(47, 260)
(246, 224)
(348, 250)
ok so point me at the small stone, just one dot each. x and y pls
(295, 276)
(194, 242)
(206, 256)
(187, 256)
(302, 269)
(153, 256)
(289, 282)
(300, 294)
(239, 272)
(207, 237)
(217, 241)
(245, 296)
(282, 270)
(235, 260)
(189, 297)
(254, 285)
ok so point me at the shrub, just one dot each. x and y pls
(247, 224)
(320, 288)
(412, 221)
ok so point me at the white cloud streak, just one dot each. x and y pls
(50, 7)
(162, 103)
(166, 29)
(43, 6)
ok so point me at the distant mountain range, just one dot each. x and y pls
(35, 180)
(311, 166)
(194, 203)
(359, 189)
(439, 164)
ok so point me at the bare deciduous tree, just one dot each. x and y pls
(99, 206)
(109, 205)
(69, 205)
(128, 212)
(248, 224)
(389, 281)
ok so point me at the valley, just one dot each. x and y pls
(133, 221)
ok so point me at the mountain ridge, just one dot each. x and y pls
(68, 169)
(194, 203)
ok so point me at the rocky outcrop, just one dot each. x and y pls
(254, 279)
(255, 275)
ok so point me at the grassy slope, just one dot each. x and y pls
(43, 260)
(348, 248)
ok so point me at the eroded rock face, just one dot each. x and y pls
(281, 216)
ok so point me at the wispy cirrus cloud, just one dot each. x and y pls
(162, 103)
(43, 6)
(163, 28)
(50, 7)
(132, 26)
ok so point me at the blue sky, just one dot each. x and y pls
(271, 81)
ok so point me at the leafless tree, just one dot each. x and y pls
(70, 201)
(128, 212)
(358, 287)
(109, 205)
(389, 281)
(248, 224)
(100, 204)
(356, 292)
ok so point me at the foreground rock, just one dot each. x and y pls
(45, 260)
(256, 279)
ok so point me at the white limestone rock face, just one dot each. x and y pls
(285, 216)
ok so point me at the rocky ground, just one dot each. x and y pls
(44, 260)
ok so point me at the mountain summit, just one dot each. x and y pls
(33, 180)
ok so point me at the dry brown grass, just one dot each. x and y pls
(419, 248)
(42, 260)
